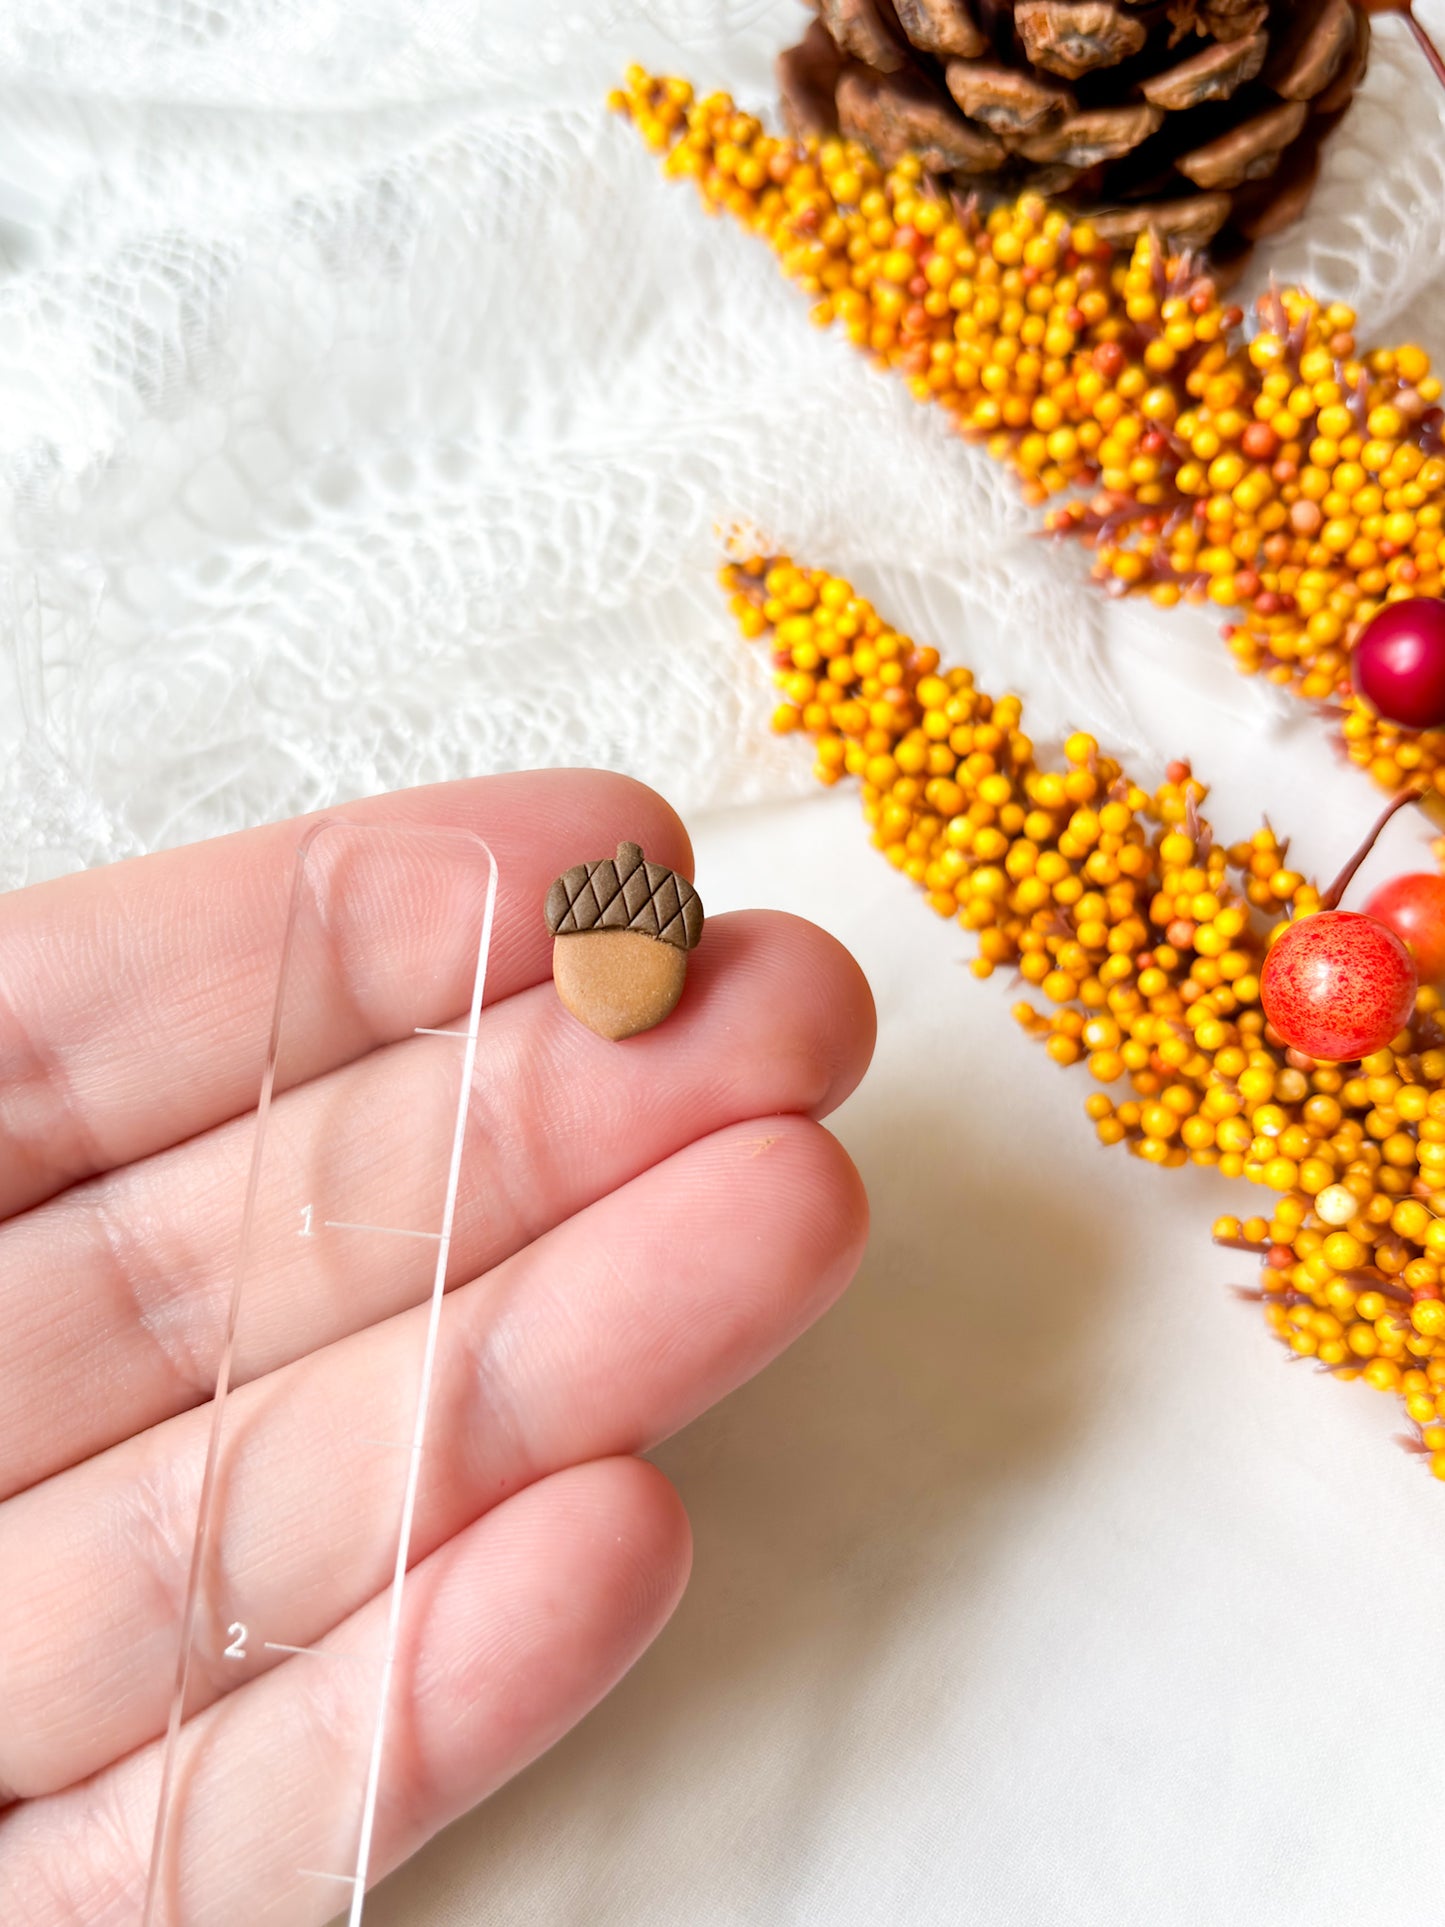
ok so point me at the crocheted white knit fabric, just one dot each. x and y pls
(369, 407)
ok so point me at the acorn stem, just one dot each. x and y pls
(1342, 882)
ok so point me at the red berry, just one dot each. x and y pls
(1337, 985)
(1414, 908)
(1398, 663)
(1109, 359)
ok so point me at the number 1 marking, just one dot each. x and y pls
(237, 1635)
(306, 1231)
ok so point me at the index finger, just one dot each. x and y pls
(135, 1000)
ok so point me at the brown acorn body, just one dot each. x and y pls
(618, 982)
(1200, 119)
(622, 928)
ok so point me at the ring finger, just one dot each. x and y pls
(605, 1335)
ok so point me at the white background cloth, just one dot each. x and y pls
(367, 409)
(1034, 1585)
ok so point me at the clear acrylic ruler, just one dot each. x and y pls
(348, 1219)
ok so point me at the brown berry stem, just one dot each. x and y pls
(1342, 882)
(1426, 44)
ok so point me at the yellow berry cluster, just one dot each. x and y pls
(1288, 476)
(1145, 937)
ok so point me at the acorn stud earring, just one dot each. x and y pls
(622, 928)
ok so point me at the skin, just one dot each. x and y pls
(662, 1218)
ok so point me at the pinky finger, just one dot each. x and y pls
(509, 1634)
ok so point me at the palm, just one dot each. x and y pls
(638, 1258)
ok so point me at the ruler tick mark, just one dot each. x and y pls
(313, 1652)
(387, 1230)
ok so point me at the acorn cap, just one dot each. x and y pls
(625, 893)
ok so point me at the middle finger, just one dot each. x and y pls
(604, 1336)
(120, 1287)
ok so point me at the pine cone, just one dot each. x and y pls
(1199, 119)
(622, 928)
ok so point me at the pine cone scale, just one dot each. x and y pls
(906, 115)
(1074, 37)
(1248, 152)
(1006, 102)
(1211, 75)
(941, 27)
(1320, 55)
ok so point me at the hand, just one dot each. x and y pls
(647, 1244)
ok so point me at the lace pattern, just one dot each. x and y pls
(369, 411)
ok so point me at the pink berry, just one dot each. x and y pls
(1398, 663)
(1414, 908)
(1337, 985)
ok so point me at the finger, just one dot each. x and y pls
(134, 1001)
(509, 1634)
(123, 1284)
(604, 1336)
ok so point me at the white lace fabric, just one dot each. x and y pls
(369, 408)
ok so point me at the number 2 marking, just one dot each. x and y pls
(237, 1634)
(306, 1231)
